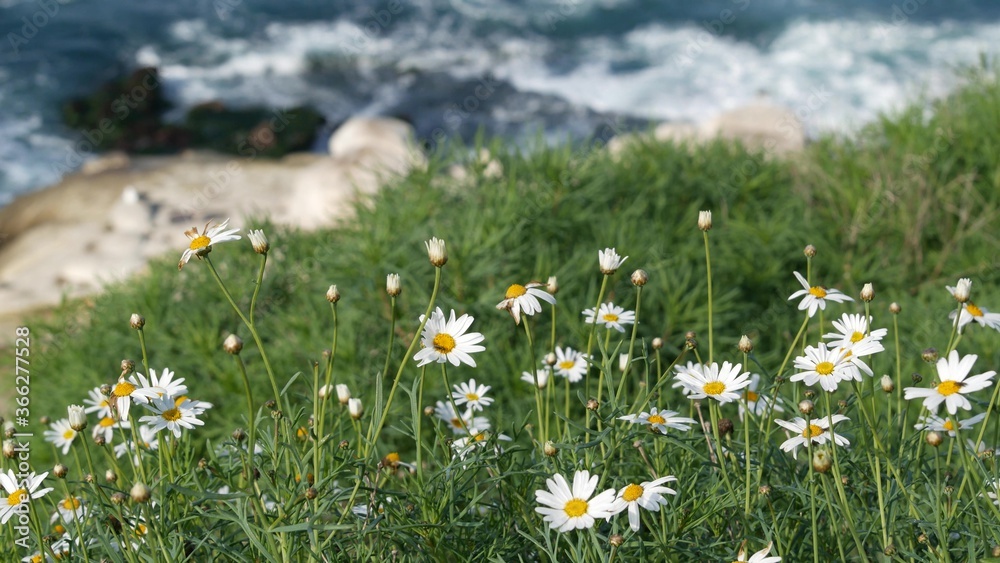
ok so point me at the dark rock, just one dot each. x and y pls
(253, 131)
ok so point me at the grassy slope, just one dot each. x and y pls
(908, 204)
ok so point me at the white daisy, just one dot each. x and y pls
(648, 495)
(759, 557)
(718, 383)
(824, 366)
(972, 312)
(475, 439)
(816, 296)
(201, 243)
(660, 420)
(541, 378)
(935, 423)
(524, 298)
(952, 373)
(570, 364)
(97, 403)
(164, 384)
(171, 416)
(69, 509)
(446, 412)
(471, 394)
(19, 492)
(611, 316)
(609, 261)
(127, 390)
(61, 435)
(853, 329)
(106, 428)
(756, 402)
(695, 369)
(817, 430)
(447, 341)
(568, 509)
(195, 406)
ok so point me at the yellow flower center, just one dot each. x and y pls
(457, 423)
(71, 503)
(610, 318)
(200, 242)
(171, 415)
(69, 434)
(632, 492)
(973, 310)
(575, 508)
(857, 337)
(444, 343)
(566, 364)
(479, 437)
(751, 396)
(123, 389)
(106, 422)
(392, 457)
(17, 497)
(948, 426)
(59, 529)
(818, 291)
(472, 397)
(37, 558)
(949, 387)
(824, 368)
(514, 291)
(656, 419)
(179, 400)
(812, 431)
(140, 530)
(714, 388)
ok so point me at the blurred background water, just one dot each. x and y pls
(511, 67)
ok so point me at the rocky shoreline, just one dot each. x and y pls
(106, 221)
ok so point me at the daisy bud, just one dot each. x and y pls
(428, 411)
(616, 540)
(810, 251)
(355, 409)
(277, 414)
(128, 366)
(996, 551)
(550, 359)
(764, 490)
(593, 405)
(705, 220)
(689, 342)
(917, 378)
(343, 394)
(867, 293)
(110, 476)
(392, 286)
(137, 321)
(894, 308)
(725, 427)
(805, 406)
(822, 462)
(948, 490)
(89, 478)
(922, 538)
(325, 391)
(44, 419)
(202, 464)
(842, 404)
(259, 241)
(745, 345)
(436, 252)
(99, 440)
(934, 439)
(8, 449)
(118, 498)
(552, 286)
(239, 435)
(232, 344)
(270, 404)
(809, 393)
(140, 493)
(622, 362)
(930, 355)
(60, 470)
(890, 550)
(550, 449)
(344, 444)
(332, 294)
(887, 385)
(311, 493)
(639, 278)
(77, 418)
(657, 343)
(844, 480)
(8, 429)
(963, 289)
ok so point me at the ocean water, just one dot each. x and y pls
(516, 68)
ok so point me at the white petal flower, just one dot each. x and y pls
(524, 299)
(824, 366)
(954, 383)
(815, 297)
(648, 495)
(541, 378)
(171, 416)
(566, 508)
(471, 394)
(61, 434)
(570, 364)
(19, 492)
(448, 341)
(759, 557)
(935, 423)
(660, 420)
(718, 383)
(817, 430)
(201, 243)
(609, 261)
(611, 316)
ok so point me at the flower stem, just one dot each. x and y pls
(708, 269)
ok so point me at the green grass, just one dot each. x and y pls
(908, 204)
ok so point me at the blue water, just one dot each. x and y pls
(513, 67)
